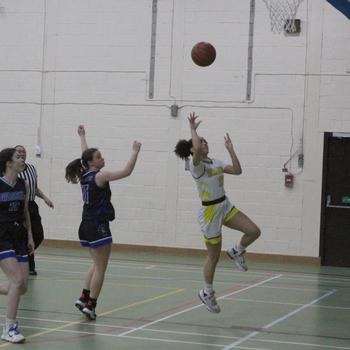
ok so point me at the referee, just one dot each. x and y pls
(30, 175)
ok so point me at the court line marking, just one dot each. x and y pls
(197, 306)
(145, 277)
(170, 332)
(186, 268)
(185, 342)
(278, 320)
(181, 333)
(106, 281)
(165, 267)
(170, 278)
(102, 314)
(287, 303)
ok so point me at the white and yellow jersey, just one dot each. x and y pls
(209, 177)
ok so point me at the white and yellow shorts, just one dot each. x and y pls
(212, 217)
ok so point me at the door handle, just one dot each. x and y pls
(329, 205)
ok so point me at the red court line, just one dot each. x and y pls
(145, 319)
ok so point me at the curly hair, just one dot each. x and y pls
(183, 148)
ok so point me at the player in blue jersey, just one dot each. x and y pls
(16, 239)
(98, 211)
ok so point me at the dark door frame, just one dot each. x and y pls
(327, 135)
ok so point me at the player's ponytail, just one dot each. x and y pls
(75, 168)
(183, 148)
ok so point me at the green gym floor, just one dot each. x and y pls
(149, 301)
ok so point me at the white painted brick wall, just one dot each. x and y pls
(96, 62)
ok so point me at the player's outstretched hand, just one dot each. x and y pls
(228, 142)
(193, 121)
(136, 146)
(81, 130)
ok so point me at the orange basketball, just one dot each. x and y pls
(203, 54)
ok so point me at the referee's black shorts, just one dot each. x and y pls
(94, 234)
(35, 220)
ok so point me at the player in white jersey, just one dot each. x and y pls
(216, 209)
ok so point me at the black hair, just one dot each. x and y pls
(183, 148)
(6, 155)
(19, 146)
(75, 168)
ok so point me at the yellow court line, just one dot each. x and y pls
(102, 314)
(142, 302)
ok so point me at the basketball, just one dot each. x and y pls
(203, 54)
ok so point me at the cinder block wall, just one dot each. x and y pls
(64, 63)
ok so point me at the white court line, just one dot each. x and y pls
(150, 267)
(185, 268)
(186, 280)
(197, 306)
(86, 262)
(298, 289)
(187, 342)
(273, 323)
(286, 303)
(255, 340)
(131, 337)
(160, 267)
(164, 331)
(82, 274)
(316, 279)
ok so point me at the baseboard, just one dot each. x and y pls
(259, 257)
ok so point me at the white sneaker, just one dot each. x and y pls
(89, 312)
(12, 334)
(80, 305)
(238, 258)
(209, 301)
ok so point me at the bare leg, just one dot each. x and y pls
(212, 258)
(241, 222)
(4, 288)
(207, 295)
(17, 274)
(88, 276)
(100, 257)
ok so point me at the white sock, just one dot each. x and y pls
(208, 288)
(9, 322)
(240, 248)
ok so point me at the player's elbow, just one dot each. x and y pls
(127, 171)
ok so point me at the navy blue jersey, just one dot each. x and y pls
(12, 199)
(97, 200)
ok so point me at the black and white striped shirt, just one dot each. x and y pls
(30, 176)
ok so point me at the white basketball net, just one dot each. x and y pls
(282, 14)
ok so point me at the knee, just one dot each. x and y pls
(20, 285)
(213, 258)
(256, 232)
(24, 288)
(101, 267)
(253, 232)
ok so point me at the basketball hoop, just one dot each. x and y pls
(282, 14)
